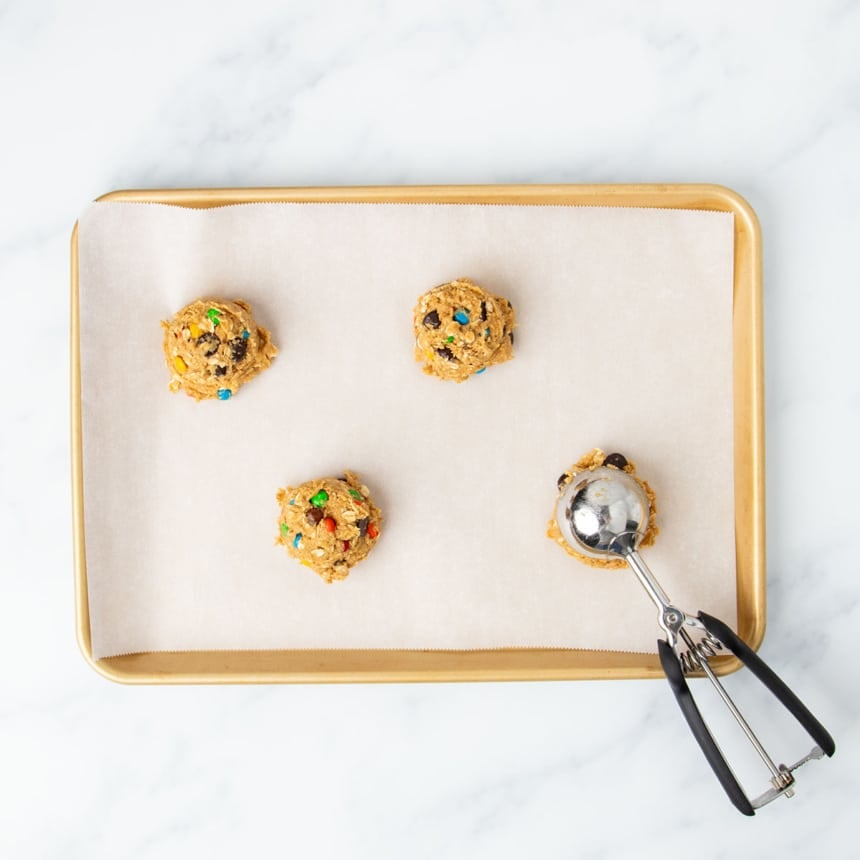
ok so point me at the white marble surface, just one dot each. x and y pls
(761, 97)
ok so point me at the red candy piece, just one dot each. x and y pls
(372, 530)
(345, 545)
(329, 524)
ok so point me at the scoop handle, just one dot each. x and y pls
(770, 679)
(703, 736)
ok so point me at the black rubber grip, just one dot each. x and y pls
(770, 679)
(675, 676)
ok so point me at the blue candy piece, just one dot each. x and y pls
(245, 334)
(461, 316)
(296, 540)
(480, 371)
(487, 332)
(224, 394)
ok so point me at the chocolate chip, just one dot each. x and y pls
(562, 481)
(483, 311)
(619, 461)
(446, 353)
(432, 320)
(238, 348)
(210, 342)
(314, 515)
(362, 525)
(220, 370)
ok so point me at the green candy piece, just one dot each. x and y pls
(284, 529)
(356, 495)
(212, 313)
(450, 338)
(319, 499)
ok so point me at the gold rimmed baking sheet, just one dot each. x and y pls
(495, 664)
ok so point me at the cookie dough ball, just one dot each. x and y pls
(213, 347)
(329, 524)
(591, 461)
(461, 329)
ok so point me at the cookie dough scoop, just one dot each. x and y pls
(328, 524)
(604, 512)
(213, 347)
(461, 330)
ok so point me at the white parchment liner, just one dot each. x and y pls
(624, 342)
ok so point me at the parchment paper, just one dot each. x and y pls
(624, 342)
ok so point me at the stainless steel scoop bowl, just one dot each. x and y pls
(605, 512)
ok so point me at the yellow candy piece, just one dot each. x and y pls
(179, 364)
(195, 330)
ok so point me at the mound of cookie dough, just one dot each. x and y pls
(461, 329)
(328, 524)
(591, 461)
(213, 347)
